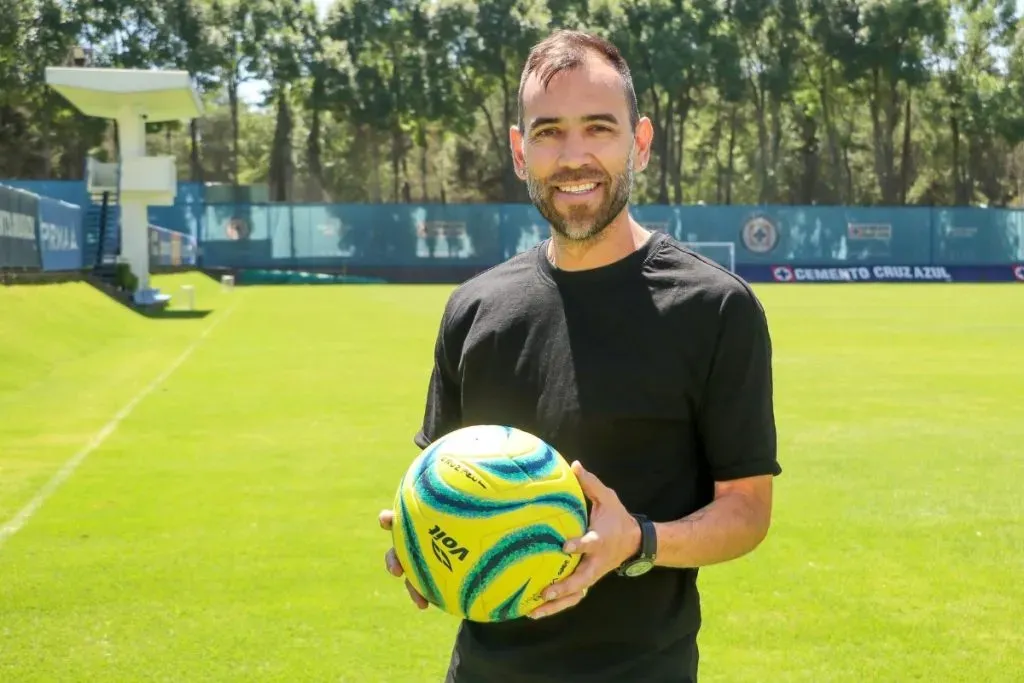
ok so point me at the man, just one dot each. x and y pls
(646, 365)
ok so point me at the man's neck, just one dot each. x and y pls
(620, 239)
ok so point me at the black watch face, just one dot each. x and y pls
(638, 568)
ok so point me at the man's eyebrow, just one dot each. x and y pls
(590, 118)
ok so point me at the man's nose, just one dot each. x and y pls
(575, 150)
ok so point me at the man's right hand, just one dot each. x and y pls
(386, 518)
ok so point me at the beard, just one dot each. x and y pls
(582, 223)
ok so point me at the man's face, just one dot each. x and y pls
(577, 152)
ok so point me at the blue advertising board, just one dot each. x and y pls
(827, 273)
(60, 234)
(445, 242)
(19, 215)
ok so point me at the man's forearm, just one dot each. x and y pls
(727, 528)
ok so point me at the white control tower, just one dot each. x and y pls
(133, 97)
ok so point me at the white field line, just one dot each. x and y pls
(25, 514)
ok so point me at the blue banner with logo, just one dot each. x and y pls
(60, 234)
(19, 214)
(826, 273)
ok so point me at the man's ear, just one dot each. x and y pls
(643, 138)
(515, 140)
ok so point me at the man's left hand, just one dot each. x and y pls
(613, 537)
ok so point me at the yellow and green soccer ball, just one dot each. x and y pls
(481, 516)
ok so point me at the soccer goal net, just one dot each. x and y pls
(723, 253)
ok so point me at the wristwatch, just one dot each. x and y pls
(643, 561)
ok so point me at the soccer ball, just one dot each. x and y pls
(481, 516)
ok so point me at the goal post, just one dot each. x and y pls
(723, 253)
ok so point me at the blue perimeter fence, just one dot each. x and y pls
(50, 234)
(45, 224)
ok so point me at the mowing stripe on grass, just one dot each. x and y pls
(19, 520)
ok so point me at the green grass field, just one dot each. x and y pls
(225, 529)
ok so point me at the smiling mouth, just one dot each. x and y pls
(577, 188)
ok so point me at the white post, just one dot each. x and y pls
(190, 293)
(134, 97)
(134, 214)
(135, 242)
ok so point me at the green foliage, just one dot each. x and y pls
(125, 278)
(803, 101)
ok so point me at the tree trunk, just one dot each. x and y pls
(511, 187)
(281, 151)
(958, 185)
(759, 97)
(424, 165)
(195, 163)
(313, 146)
(665, 153)
(775, 147)
(716, 146)
(678, 163)
(376, 184)
(810, 157)
(730, 171)
(396, 159)
(905, 159)
(837, 165)
(233, 104)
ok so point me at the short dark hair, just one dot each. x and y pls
(565, 50)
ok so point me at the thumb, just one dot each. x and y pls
(594, 489)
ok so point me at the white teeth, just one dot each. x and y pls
(578, 189)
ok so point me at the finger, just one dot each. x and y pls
(385, 518)
(420, 601)
(582, 578)
(555, 606)
(392, 563)
(592, 487)
(589, 542)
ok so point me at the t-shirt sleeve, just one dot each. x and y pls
(737, 413)
(443, 410)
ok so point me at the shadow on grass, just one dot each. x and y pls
(156, 312)
(163, 314)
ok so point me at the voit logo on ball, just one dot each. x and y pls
(453, 547)
(760, 235)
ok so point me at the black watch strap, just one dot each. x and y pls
(648, 539)
(643, 560)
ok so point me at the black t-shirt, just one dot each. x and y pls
(654, 372)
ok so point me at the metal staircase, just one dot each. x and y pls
(103, 231)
